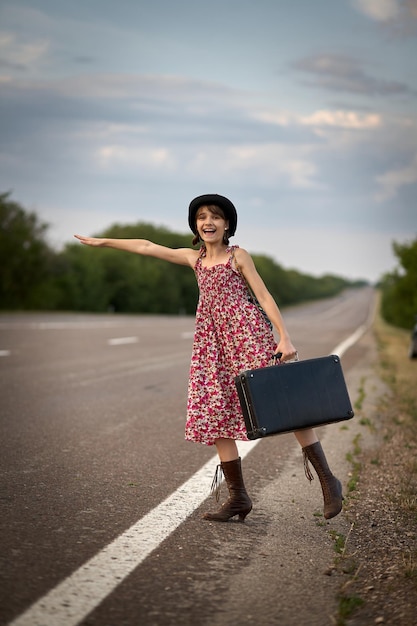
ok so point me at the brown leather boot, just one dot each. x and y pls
(239, 502)
(331, 486)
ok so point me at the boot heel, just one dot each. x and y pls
(243, 514)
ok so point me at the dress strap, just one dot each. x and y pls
(233, 260)
(201, 254)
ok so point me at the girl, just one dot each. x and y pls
(231, 335)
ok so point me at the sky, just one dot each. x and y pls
(302, 112)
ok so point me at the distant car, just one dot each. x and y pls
(413, 345)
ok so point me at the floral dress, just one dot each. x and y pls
(231, 335)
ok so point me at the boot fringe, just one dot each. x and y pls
(217, 482)
(307, 469)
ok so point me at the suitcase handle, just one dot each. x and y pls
(276, 357)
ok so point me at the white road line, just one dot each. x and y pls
(354, 337)
(120, 341)
(73, 599)
(350, 341)
(79, 594)
(5, 353)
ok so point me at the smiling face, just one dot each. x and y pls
(211, 223)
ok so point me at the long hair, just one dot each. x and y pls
(214, 210)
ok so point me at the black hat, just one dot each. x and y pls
(220, 201)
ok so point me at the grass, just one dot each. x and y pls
(400, 374)
(361, 396)
(365, 421)
(397, 410)
(347, 606)
(352, 458)
(410, 564)
(339, 541)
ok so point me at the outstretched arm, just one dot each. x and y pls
(181, 256)
(267, 302)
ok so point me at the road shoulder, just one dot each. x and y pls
(380, 557)
(359, 568)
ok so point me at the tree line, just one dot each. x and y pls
(33, 276)
(399, 287)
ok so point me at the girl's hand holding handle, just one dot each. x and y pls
(286, 350)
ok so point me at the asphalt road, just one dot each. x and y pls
(91, 427)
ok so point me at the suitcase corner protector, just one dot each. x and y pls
(256, 433)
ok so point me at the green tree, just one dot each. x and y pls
(85, 279)
(107, 280)
(399, 288)
(291, 286)
(25, 258)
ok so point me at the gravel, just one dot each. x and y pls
(380, 553)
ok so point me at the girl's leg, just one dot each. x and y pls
(331, 486)
(227, 449)
(306, 437)
(238, 502)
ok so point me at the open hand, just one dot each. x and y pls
(90, 241)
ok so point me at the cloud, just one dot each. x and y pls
(122, 110)
(19, 54)
(268, 164)
(145, 158)
(342, 119)
(412, 8)
(399, 16)
(342, 73)
(150, 128)
(379, 10)
(393, 180)
(142, 135)
(84, 59)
